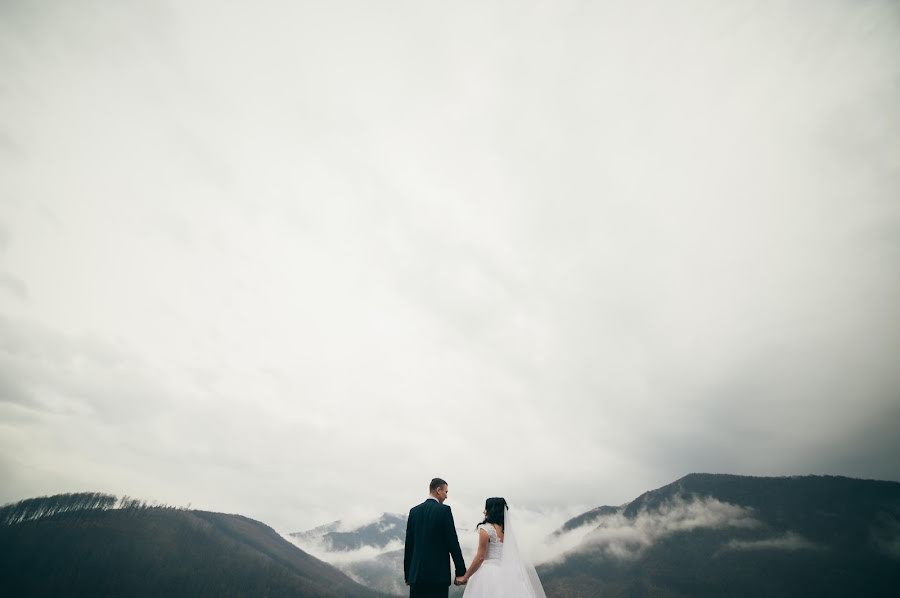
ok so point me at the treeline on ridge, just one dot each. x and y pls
(44, 507)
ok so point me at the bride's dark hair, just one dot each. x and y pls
(495, 510)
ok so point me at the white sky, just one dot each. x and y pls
(293, 259)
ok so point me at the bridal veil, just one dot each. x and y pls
(517, 572)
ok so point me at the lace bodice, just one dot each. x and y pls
(495, 546)
(491, 532)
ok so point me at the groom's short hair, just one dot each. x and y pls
(435, 484)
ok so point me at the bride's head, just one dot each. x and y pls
(494, 510)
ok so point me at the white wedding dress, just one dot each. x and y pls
(504, 573)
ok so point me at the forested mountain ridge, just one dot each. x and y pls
(708, 535)
(96, 545)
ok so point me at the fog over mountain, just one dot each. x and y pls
(294, 259)
(702, 535)
(626, 538)
(725, 535)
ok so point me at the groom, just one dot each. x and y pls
(430, 537)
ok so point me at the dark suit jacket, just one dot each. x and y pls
(430, 537)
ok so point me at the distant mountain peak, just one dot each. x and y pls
(378, 533)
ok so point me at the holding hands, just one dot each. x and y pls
(461, 581)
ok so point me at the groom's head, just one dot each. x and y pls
(439, 489)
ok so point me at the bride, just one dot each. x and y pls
(498, 569)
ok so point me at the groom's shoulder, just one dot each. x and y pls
(430, 504)
(441, 507)
(421, 506)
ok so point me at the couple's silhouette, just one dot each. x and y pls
(498, 569)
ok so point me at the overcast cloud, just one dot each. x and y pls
(294, 259)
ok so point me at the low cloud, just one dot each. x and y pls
(377, 567)
(622, 537)
(787, 541)
(356, 539)
(321, 549)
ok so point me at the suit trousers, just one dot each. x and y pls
(428, 590)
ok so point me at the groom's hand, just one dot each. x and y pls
(459, 581)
